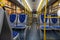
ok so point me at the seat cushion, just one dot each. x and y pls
(43, 26)
(47, 27)
(50, 27)
(12, 18)
(20, 27)
(55, 27)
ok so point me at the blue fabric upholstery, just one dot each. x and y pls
(22, 17)
(55, 27)
(15, 33)
(20, 26)
(42, 18)
(54, 20)
(50, 27)
(12, 18)
(47, 27)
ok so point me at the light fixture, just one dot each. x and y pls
(39, 4)
(28, 5)
(59, 4)
(58, 12)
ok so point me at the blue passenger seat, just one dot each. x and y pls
(15, 35)
(55, 21)
(42, 22)
(22, 21)
(12, 19)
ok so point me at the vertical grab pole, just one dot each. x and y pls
(2, 3)
(25, 7)
(44, 25)
(45, 19)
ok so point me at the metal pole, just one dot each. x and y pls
(45, 19)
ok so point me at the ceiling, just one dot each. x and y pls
(32, 4)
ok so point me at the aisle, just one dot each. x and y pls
(33, 33)
(51, 35)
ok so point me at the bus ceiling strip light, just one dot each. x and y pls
(58, 12)
(43, 5)
(39, 4)
(28, 5)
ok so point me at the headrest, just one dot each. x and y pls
(54, 20)
(22, 17)
(42, 18)
(12, 17)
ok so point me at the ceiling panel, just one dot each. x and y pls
(34, 4)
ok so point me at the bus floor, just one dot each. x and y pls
(50, 35)
(37, 34)
(33, 33)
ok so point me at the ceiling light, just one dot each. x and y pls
(39, 4)
(28, 5)
(58, 12)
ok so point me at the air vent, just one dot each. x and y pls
(33, 0)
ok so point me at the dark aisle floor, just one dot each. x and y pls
(33, 33)
(37, 34)
(51, 35)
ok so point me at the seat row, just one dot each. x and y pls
(18, 21)
(51, 23)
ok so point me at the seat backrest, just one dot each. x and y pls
(22, 21)
(42, 18)
(54, 20)
(23, 18)
(12, 18)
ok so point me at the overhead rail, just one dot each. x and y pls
(9, 7)
(17, 3)
(51, 2)
(26, 5)
(40, 5)
(4, 5)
